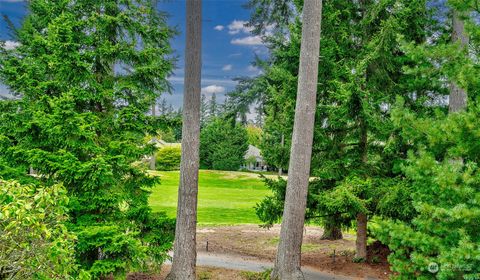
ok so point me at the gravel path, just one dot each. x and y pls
(256, 265)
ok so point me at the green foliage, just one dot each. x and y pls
(223, 145)
(359, 73)
(327, 202)
(374, 53)
(168, 158)
(254, 135)
(444, 183)
(265, 275)
(86, 74)
(168, 135)
(270, 209)
(358, 260)
(204, 275)
(34, 241)
(365, 65)
(441, 173)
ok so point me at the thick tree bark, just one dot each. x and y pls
(331, 229)
(288, 260)
(458, 97)
(184, 254)
(153, 158)
(332, 232)
(361, 242)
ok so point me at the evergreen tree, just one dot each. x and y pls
(213, 107)
(90, 70)
(223, 145)
(356, 148)
(203, 110)
(163, 108)
(442, 240)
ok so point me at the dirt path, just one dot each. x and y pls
(250, 245)
(247, 263)
(225, 251)
(256, 265)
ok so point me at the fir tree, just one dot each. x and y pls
(90, 72)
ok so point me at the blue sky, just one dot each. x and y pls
(228, 46)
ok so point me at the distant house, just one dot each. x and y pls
(254, 160)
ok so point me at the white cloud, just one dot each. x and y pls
(249, 40)
(260, 50)
(238, 26)
(252, 68)
(241, 26)
(211, 89)
(10, 45)
(227, 67)
(219, 27)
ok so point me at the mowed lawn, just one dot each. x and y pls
(224, 197)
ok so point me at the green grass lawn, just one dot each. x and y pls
(224, 197)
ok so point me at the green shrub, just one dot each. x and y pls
(248, 275)
(204, 275)
(34, 241)
(168, 158)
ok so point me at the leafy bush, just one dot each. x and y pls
(168, 158)
(34, 241)
(248, 275)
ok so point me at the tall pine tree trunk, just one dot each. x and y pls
(458, 97)
(361, 241)
(185, 254)
(288, 260)
(331, 228)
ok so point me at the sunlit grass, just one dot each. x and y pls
(225, 197)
